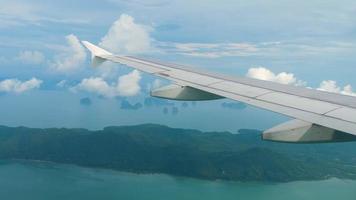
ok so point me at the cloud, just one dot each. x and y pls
(126, 85)
(71, 57)
(290, 79)
(139, 3)
(96, 85)
(295, 48)
(126, 36)
(24, 12)
(17, 86)
(210, 50)
(62, 83)
(154, 85)
(15, 13)
(331, 86)
(267, 75)
(31, 57)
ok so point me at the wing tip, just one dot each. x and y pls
(97, 54)
(95, 50)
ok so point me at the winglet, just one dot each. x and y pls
(97, 54)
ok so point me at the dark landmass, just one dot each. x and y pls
(234, 105)
(160, 149)
(85, 101)
(126, 105)
(185, 104)
(175, 110)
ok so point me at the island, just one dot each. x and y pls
(152, 148)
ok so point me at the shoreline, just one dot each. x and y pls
(33, 161)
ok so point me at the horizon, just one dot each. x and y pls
(42, 60)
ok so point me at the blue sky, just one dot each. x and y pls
(307, 43)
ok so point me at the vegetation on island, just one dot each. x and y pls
(153, 148)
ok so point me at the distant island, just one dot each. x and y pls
(151, 148)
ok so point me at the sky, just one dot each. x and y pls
(46, 78)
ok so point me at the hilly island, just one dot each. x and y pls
(151, 148)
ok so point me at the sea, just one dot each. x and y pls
(50, 181)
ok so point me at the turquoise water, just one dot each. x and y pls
(36, 180)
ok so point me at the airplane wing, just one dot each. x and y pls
(318, 116)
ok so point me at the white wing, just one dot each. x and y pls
(320, 116)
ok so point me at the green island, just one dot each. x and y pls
(151, 148)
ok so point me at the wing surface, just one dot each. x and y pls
(330, 110)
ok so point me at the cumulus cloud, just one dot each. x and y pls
(31, 57)
(267, 75)
(331, 86)
(17, 86)
(126, 36)
(126, 85)
(96, 85)
(71, 57)
(289, 78)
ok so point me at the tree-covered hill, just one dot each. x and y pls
(159, 149)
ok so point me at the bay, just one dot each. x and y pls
(41, 180)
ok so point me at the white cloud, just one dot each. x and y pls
(62, 83)
(290, 79)
(24, 12)
(267, 75)
(96, 85)
(331, 86)
(31, 57)
(126, 85)
(107, 70)
(297, 48)
(126, 36)
(17, 86)
(15, 13)
(348, 90)
(71, 57)
(157, 83)
(210, 50)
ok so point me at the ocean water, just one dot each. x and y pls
(38, 180)
(64, 110)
